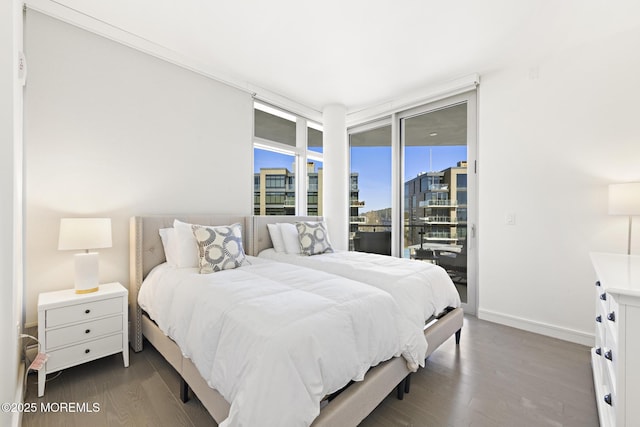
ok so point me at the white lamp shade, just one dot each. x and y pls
(624, 199)
(84, 233)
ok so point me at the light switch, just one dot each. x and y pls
(510, 218)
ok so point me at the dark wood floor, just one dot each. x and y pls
(498, 376)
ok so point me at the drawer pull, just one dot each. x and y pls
(599, 318)
(607, 399)
(86, 331)
(87, 351)
(598, 283)
(612, 316)
(603, 297)
(608, 355)
(87, 311)
(599, 351)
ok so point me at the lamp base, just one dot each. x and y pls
(86, 273)
(87, 291)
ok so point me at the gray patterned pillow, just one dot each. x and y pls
(220, 247)
(314, 238)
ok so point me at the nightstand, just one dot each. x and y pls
(77, 328)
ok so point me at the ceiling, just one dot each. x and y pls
(360, 53)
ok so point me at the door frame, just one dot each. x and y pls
(470, 98)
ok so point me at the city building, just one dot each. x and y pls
(274, 192)
(435, 208)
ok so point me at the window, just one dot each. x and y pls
(274, 181)
(461, 180)
(278, 156)
(370, 195)
(272, 177)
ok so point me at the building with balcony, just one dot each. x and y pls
(274, 192)
(436, 207)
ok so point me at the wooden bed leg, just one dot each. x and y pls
(184, 391)
(407, 384)
(458, 332)
(400, 389)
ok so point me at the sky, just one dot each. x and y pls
(373, 165)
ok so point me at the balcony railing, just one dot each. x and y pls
(439, 187)
(416, 235)
(439, 220)
(438, 203)
(440, 235)
(357, 203)
(358, 220)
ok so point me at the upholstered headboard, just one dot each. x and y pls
(146, 251)
(260, 239)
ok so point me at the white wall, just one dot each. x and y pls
(10, 208)
(111, 131)
(552, 135)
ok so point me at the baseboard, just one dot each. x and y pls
(31, 325)
(541, 328)
(16, 420)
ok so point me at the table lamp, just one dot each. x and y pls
(85, 234)
(624, 199)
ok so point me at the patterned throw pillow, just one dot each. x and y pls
(220, 247)
(314, 238)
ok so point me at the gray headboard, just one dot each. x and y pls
(260, 239)
(146, 251)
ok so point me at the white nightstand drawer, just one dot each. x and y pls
(80, 353)
(77, 328)
(83, 331)
(83, 311)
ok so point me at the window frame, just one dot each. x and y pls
(301, 153)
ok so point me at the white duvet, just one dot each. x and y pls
(420, 289)
(274, 338)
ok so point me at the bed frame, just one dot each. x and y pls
(347, 408)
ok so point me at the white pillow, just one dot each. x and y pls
(276, 238)
(220, 247)
(170, 245)
(290, 238)
(187, 245)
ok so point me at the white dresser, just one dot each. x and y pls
(76, 328)
(616, 356)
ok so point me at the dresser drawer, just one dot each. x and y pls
(83, 331)
(600, 334)
(608, 409)
(84, 311)
(613, 313)
(83, 352)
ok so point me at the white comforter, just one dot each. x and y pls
(273, 338)
(420, 289)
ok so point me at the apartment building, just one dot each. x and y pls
(274, 192)
(436, 207)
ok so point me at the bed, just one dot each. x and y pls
(423, 290)
(347, 408)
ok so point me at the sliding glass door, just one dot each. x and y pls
(413, 183)
(438, 163)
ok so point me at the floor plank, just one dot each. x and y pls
(498, 376)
